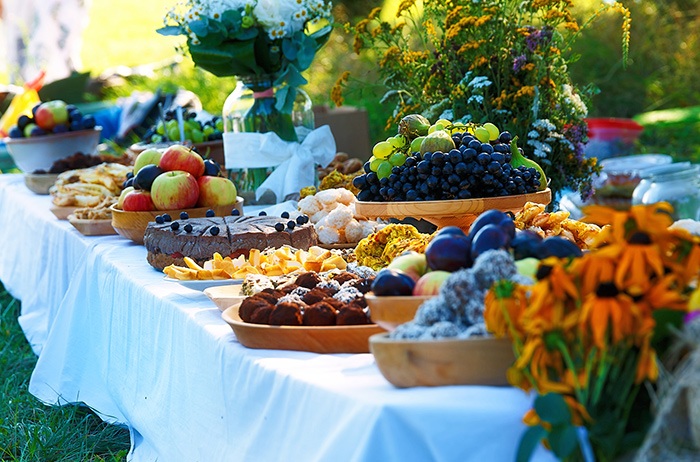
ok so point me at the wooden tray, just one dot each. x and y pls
(62, 212)
(225, 296)
(414, 363)
(317, 339)
(346, 245)
(450, 212)
(390, 311)
(92, 227)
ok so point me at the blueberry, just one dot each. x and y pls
(188, 228)
(89, 122)
(214, 230)
(184, 216)
(167, 218)
(284, 214)
(279, 227)
(159, 219)
(300, 220)
(235, 212)
(129, 174)
(15, 132)
(175, 226)
(262, 214)
(291, 224)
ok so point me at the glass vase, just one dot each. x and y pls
(252, 108)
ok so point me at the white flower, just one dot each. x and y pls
(544, 124)
(479, 82)
(533, 134)
(447, 114)
(541, 149)
(276, 17)
(574, 100)
(478, 99)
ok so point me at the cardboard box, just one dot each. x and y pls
(350, 128)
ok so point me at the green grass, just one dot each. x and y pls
(31, 431)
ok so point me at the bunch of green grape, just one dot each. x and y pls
(388, 154)
(168, 129)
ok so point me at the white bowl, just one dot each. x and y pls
(40, 152)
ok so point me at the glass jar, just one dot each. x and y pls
(648, 174)
(251, 108)
(681, 189)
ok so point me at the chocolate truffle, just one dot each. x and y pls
(319, 314)
(286, 314)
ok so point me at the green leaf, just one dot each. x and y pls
(553, 409)
(246, 34)
(563, 440)
(290, 49)
(200, 27)
(231, 19)
(388, 96)
(307, 51)
(528, 442)
(321, 36)
(170, 30)
(666, 322)
(230, 58)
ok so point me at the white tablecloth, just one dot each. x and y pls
(157, 357)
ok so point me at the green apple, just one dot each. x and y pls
(120, 201)
(150, 156)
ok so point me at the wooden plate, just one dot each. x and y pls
(346, 245)
(390, 311)
(450, 212)
(62, 212)
(414, 363)
(317, 339)
(92, 227)
(225, 296)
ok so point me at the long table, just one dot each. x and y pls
(155, 356)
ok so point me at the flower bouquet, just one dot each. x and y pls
(587, 333)
(499, 61)
(266, 44)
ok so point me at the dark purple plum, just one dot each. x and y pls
(211, 168)
(493, 217)
(392, 282)
(449, 252)
(489, 237)
(450, 230)
(557, 246)
(525, 244)
(144, 178)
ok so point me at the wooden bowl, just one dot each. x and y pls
(92, 227)
(415, 363)
(317, 339)
(450, 212)
(390, 311)
(40, 183)
(132, 225)
(225, 296)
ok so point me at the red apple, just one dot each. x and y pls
(430, 283)
(138, 201)
(179, 157)
(215, 190)
(175, 190)
(50, 114)
(412, 263)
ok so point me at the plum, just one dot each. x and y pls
(145, 177)
(525, 244)
(392, 282)
(494, 217)
(451, 230)
(449, 252)
(557, 246)
(489, 237)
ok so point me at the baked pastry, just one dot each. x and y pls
(200, 238)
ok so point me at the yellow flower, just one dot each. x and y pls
(404, 6)
(482, 20)
(391, 53)
(525, 91)
(640, 260)
(337, 90)
(572, 26)
(607, 308)
(358, 44)
(374, 13)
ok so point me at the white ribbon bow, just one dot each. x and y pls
(295, 162)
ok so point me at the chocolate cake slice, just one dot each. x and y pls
(200, 238)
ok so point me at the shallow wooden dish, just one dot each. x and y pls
(450, 212)
(343, 246)
(317, 339)
(390, 311)
(92, 227)
(225, 296)
(40, 183)
(414, 363)
(132, 225)
(62, 212)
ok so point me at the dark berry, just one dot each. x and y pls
(159, 219)
(284, 214)
(262, 214)
(210, 213)
(279, 227)
(174, 225)
(214, 230)
(235, 212)
(184, 216)
(300, 220)
(167, 218)
(291, 224)
(188, 228)
(505, 137)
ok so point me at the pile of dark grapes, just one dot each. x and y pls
(473, 169)
(194, 130)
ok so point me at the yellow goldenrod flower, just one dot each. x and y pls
(337, 90)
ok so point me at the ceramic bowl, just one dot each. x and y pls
(40, 152)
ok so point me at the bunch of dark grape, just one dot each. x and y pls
(194, 130)
(473, 169)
